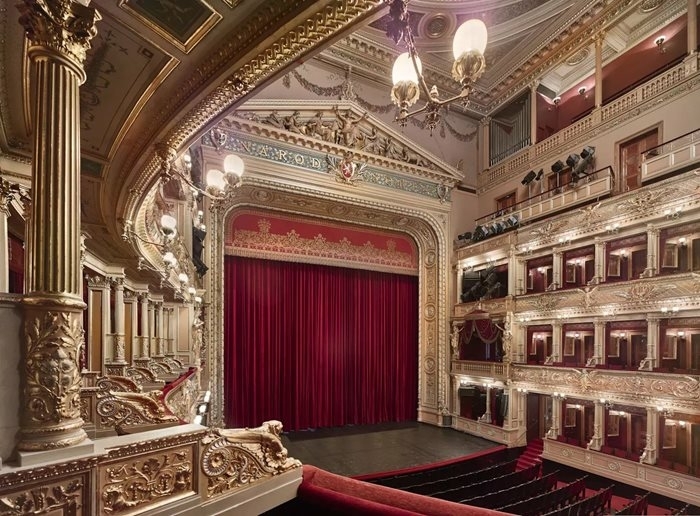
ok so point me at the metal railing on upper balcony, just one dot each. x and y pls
(595, 185)
(671, 156)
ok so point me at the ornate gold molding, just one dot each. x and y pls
(233, 458)
(124, 409)
(63, 26)
(117, 383)
(140, 482)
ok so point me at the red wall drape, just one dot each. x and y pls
(316, 346)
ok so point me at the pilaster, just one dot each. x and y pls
(651, 449)
(556, 270)
(652, 357)
(598, 43)
(533, 112)
(596, 441)
(6, 196)
(555, 430)
(556, 341)
(652, 252)
(599, 260)
(144, 339)
(58, 34)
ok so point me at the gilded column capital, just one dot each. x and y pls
(142, 296)
(485, 121)
(129, 295)
(117, 282)
(63, 26)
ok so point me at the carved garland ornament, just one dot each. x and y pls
(62, 498)
(147, 480)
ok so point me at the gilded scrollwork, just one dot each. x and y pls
(140, 375)
(146, 481)
(117, 383)
(233, 458)
(123, 409)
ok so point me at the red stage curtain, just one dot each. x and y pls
(317, 346)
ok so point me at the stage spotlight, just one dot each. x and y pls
(587, 152)
(558, 166)
(499, 227)
(465, 236)
(539, 174)
(512, 221)
(572, 160)
(529, 178)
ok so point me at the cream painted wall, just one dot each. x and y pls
(677, 117)
(463, 213)
(448, 148)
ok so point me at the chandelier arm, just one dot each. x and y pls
(410, 44)
(195, 187)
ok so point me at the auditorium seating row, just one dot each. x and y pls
(600, 503)
(537, 486)
(459, 481)
(414, 478)
(548, 501)
(465, 492)
(637, 506)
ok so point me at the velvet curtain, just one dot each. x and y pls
(316, 346)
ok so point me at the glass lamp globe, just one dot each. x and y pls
(404, 70)
(470, 36)
(215, 179)
(183, 277)
(168, 223)
(233, 164)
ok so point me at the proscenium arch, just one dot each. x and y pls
(423, 227)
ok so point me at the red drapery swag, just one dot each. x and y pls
(316, 346)
(487, 332)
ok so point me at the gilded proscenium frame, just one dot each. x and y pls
(424, 226)
(246, 74)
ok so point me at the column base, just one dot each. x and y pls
(86, 447)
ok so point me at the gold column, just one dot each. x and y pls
(59, 33)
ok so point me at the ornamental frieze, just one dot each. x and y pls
(682, 392)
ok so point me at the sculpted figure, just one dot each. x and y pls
(393, 150)
(348, 127)
(374, 144)
(292, 124)
(274, 120)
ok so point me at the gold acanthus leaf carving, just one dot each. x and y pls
(643, 292)
(117, 383)
(53, 379)
(146, 481)
(119, 409)
(61, 25)
(236, 457)
(58, 499)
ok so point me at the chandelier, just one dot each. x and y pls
(468, 48)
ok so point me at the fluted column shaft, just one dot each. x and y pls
(512, 272)
(485, 143)
(533, 112)
(599, 70)
(151, 329)
(557, 269)
(557, 405)
(145, 351)
(692, 26)
(598, 342)
(652, 251)
(134, 308)
(160, 326)
(652, 357)
(119, 329)
(597, 440)
(487, 415)
(599, 260)
(172, 331)
(5, 199)
(556, 341)
(651, 450)
(58, 33)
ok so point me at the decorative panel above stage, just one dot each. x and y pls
(304, 239)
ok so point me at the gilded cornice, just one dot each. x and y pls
(47, 473)
(329, 19)
(132, 449)
(638, 388)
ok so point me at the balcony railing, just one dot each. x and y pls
(495, 370)
(671, 156)
(596, 185)
(532, 156)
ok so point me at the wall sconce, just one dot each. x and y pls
(565, 240)
(606, 404)
(666, 310)
(582, 90)
(221, 185)
(665, 411)
(673, 214)
(557, 100)
(559, 395)
(682, 241)
(613, 228)
(659, 42)
(521, 390)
